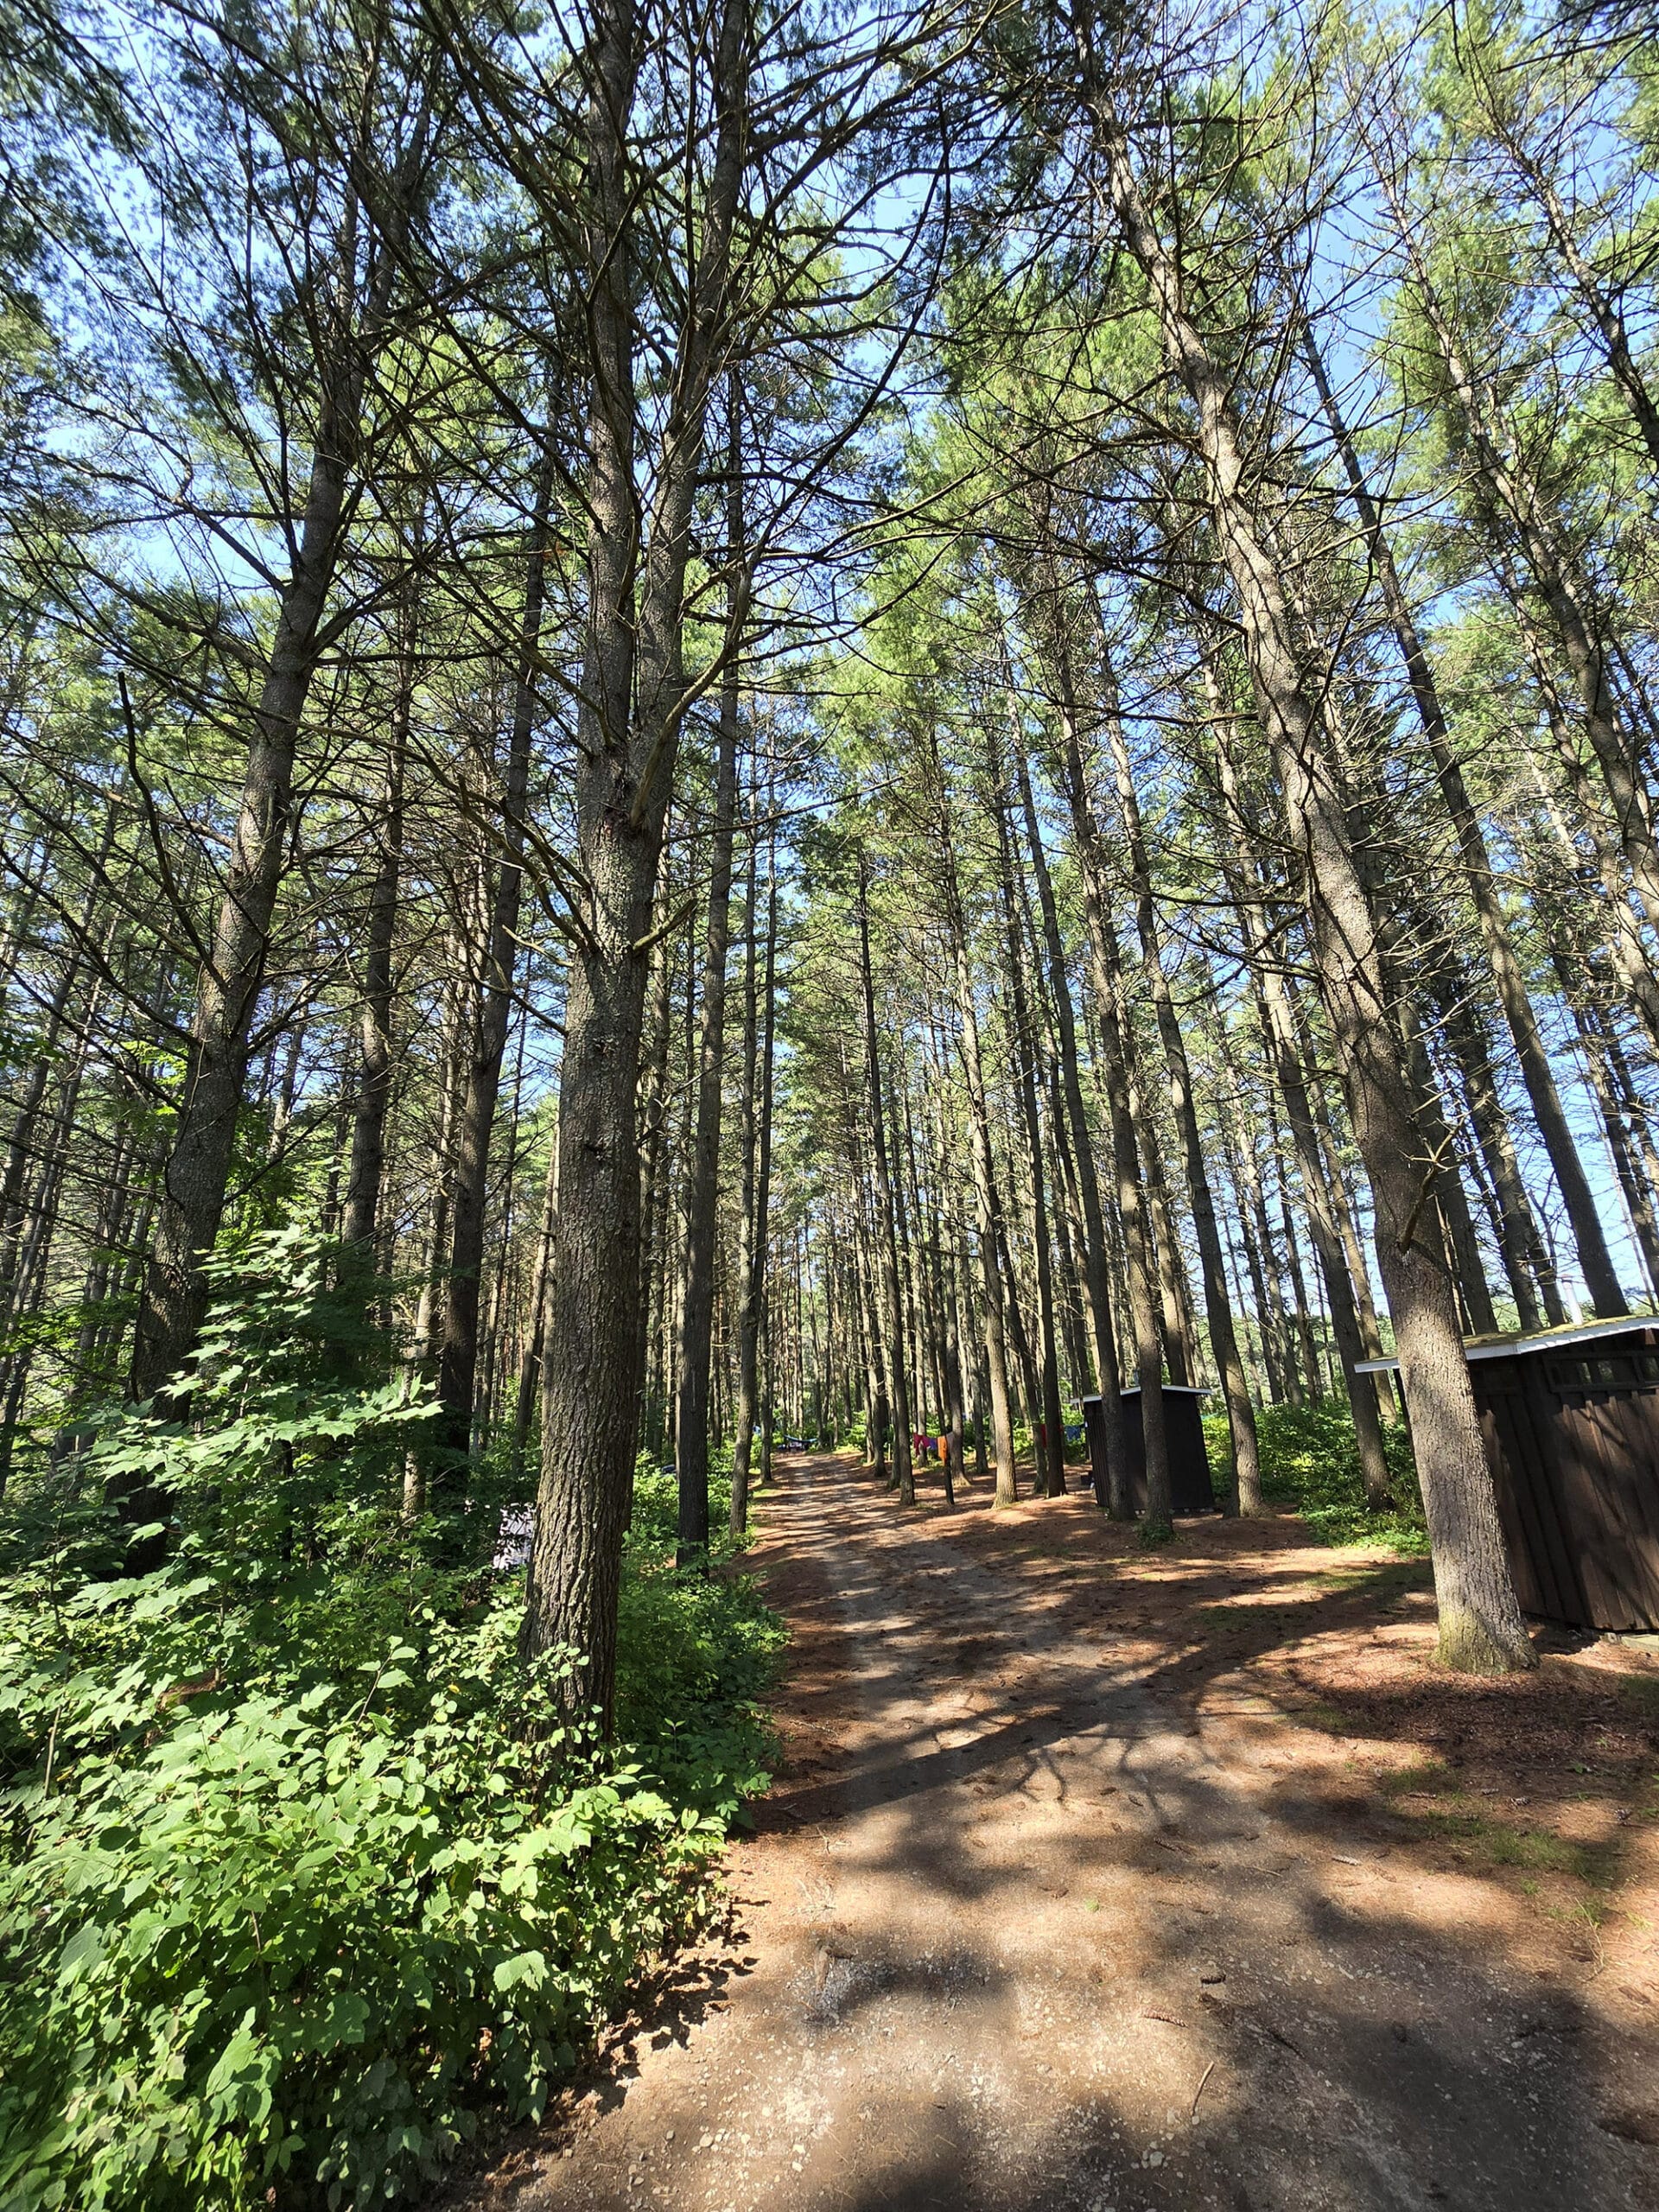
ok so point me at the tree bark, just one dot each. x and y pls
(368, 1159)
(1140, 1262)
(1505, 492)
(1245, 1485)
(987, 1204)
(628, 718)
(756, 1169)
(702, 1180)
(1600, 1277)
(885, 1228)
(458, 1349)
(197, 1174)
(1050, 1440)
(1096, 1261)
(1481, 1626)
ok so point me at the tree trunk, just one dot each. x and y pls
(458, 1352)
(1600, 1277)
(1481, 1627)
(367, 1168)
(757, 1180)
(1050, 1440)
(1504, 491)
(1244, 1494)
(529, 1369)
(197, 1174)
(1283, 1052)
(1139, 1258)
(1096, 1261)
(987, 1204)
(628, 724)
(702, 1181)
(886, 1229)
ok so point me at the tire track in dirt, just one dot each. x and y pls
(1027, 1926)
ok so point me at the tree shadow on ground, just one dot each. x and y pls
(1066, 1824)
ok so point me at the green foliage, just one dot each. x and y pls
(696, 1655)
(1310, 1460)
(303, 1866)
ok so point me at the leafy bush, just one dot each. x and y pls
(1310, 1459)
(301, 1869)
(696, 1655)
(252, 1937)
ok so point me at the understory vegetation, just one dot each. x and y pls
(1310, 1460)
(305, 1870)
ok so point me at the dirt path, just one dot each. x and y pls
(1062, 1903)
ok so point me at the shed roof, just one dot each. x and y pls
(1516, 1347)
(1132, 1390)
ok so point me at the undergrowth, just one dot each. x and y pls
(1310, 1460)
(303, 1869)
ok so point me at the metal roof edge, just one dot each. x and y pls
(1170, 1390)
(1579, 1332)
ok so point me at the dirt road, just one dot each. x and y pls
(1077, 1892)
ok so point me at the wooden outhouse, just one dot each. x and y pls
(1190, 1489)
(1571, 1422)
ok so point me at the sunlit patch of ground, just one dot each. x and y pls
(1109, 1879)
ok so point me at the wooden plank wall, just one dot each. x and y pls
(1577, 1476)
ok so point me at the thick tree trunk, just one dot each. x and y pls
(628, 729)
(1481, 1627)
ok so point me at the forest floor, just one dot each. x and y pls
(1126, 1880)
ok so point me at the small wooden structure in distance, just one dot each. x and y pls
(1190, 1489)
(1571, 1422)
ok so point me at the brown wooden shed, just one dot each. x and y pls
(1189, 1489)
(1571, 1421)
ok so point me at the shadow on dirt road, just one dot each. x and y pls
(1052, 1907)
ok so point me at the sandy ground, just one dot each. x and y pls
(1115, 1880)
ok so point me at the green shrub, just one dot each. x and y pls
(301, 1869)
(696, 1655)
(257, 1939)
(1310, 1460)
